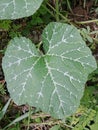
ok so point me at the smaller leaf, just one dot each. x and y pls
(3, 111)
(89, 38)
(56, 127)
(19, 119)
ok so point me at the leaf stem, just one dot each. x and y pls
(68, 4)
(86, 22)
(57, 10)
(62, 16)
(48, 10)
(29, 117)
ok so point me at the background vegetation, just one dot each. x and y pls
(84, 15)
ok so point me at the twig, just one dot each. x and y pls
(86, 22)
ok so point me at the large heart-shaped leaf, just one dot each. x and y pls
(55, 80)
(13, 9)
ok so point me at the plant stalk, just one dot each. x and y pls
(86, 22)
(29, 117)
(57, 10)
(48, 10)
(62, 16)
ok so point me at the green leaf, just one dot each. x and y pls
(3, 111)
(14, 9)
(18, 119)
(95, 125)
(56, 127)
(54, 81)
(5, 24)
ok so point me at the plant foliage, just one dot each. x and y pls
(13, 9)
(53, 79)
